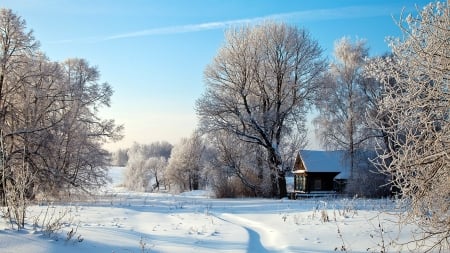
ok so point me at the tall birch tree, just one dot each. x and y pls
(342, 101)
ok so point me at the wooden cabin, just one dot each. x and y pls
(320, 172)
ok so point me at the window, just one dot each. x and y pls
(317, 184)
(299, 183)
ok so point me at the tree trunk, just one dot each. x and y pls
(282, 184)
(157, 182)
(278, 176)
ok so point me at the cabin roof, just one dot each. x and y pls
(325, 161)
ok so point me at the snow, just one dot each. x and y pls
(121, 221)
(325, 161)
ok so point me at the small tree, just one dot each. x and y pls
(137, 176)
(157, 167)
(146, 166)
(414, 113)
(185, 167)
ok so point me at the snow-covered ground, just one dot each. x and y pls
(121, 221)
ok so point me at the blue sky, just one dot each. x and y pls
(153, 52)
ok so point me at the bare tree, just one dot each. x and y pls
(73, 152)
(416, 110)
(186, 164)
(341, 102)
(160, 149)
(50, 132)
(16, 44)
(157, 167)
(137, 175)
(17, 50)
(237, 168)
(136, 178)
(235, 160)
(259, 85)
(146, 166)
(120, 157)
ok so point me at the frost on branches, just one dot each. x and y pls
(51, 133)
(259, 86)
(146, 166)
(414, 114)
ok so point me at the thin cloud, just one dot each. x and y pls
(299, 16)
(183, 28)
(310, 15)
(350, 12)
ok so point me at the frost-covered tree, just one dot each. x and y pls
(237, 168)
(341, 102)
(137, 177)
(347, 95)
(146, 166)
(120, 157)
(50, 133)
(160, 149)
(186, 164)
(415, 112)
(73, 149)
(157, 168)
(259, 86)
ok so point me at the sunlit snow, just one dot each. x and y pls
(121, 221)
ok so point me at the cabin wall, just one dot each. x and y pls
(298, 165)
(320, 182)
(306, 181)
(310, 182)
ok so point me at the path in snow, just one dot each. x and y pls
(121, 221)
(258, 234)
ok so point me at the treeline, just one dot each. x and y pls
(51, 135)
(253, 113)
(195, 163)
(265, 78)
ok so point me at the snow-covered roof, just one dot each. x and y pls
(326, 161)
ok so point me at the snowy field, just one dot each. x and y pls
(120, 221)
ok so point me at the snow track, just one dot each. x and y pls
(261, 238)
(120, 221)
